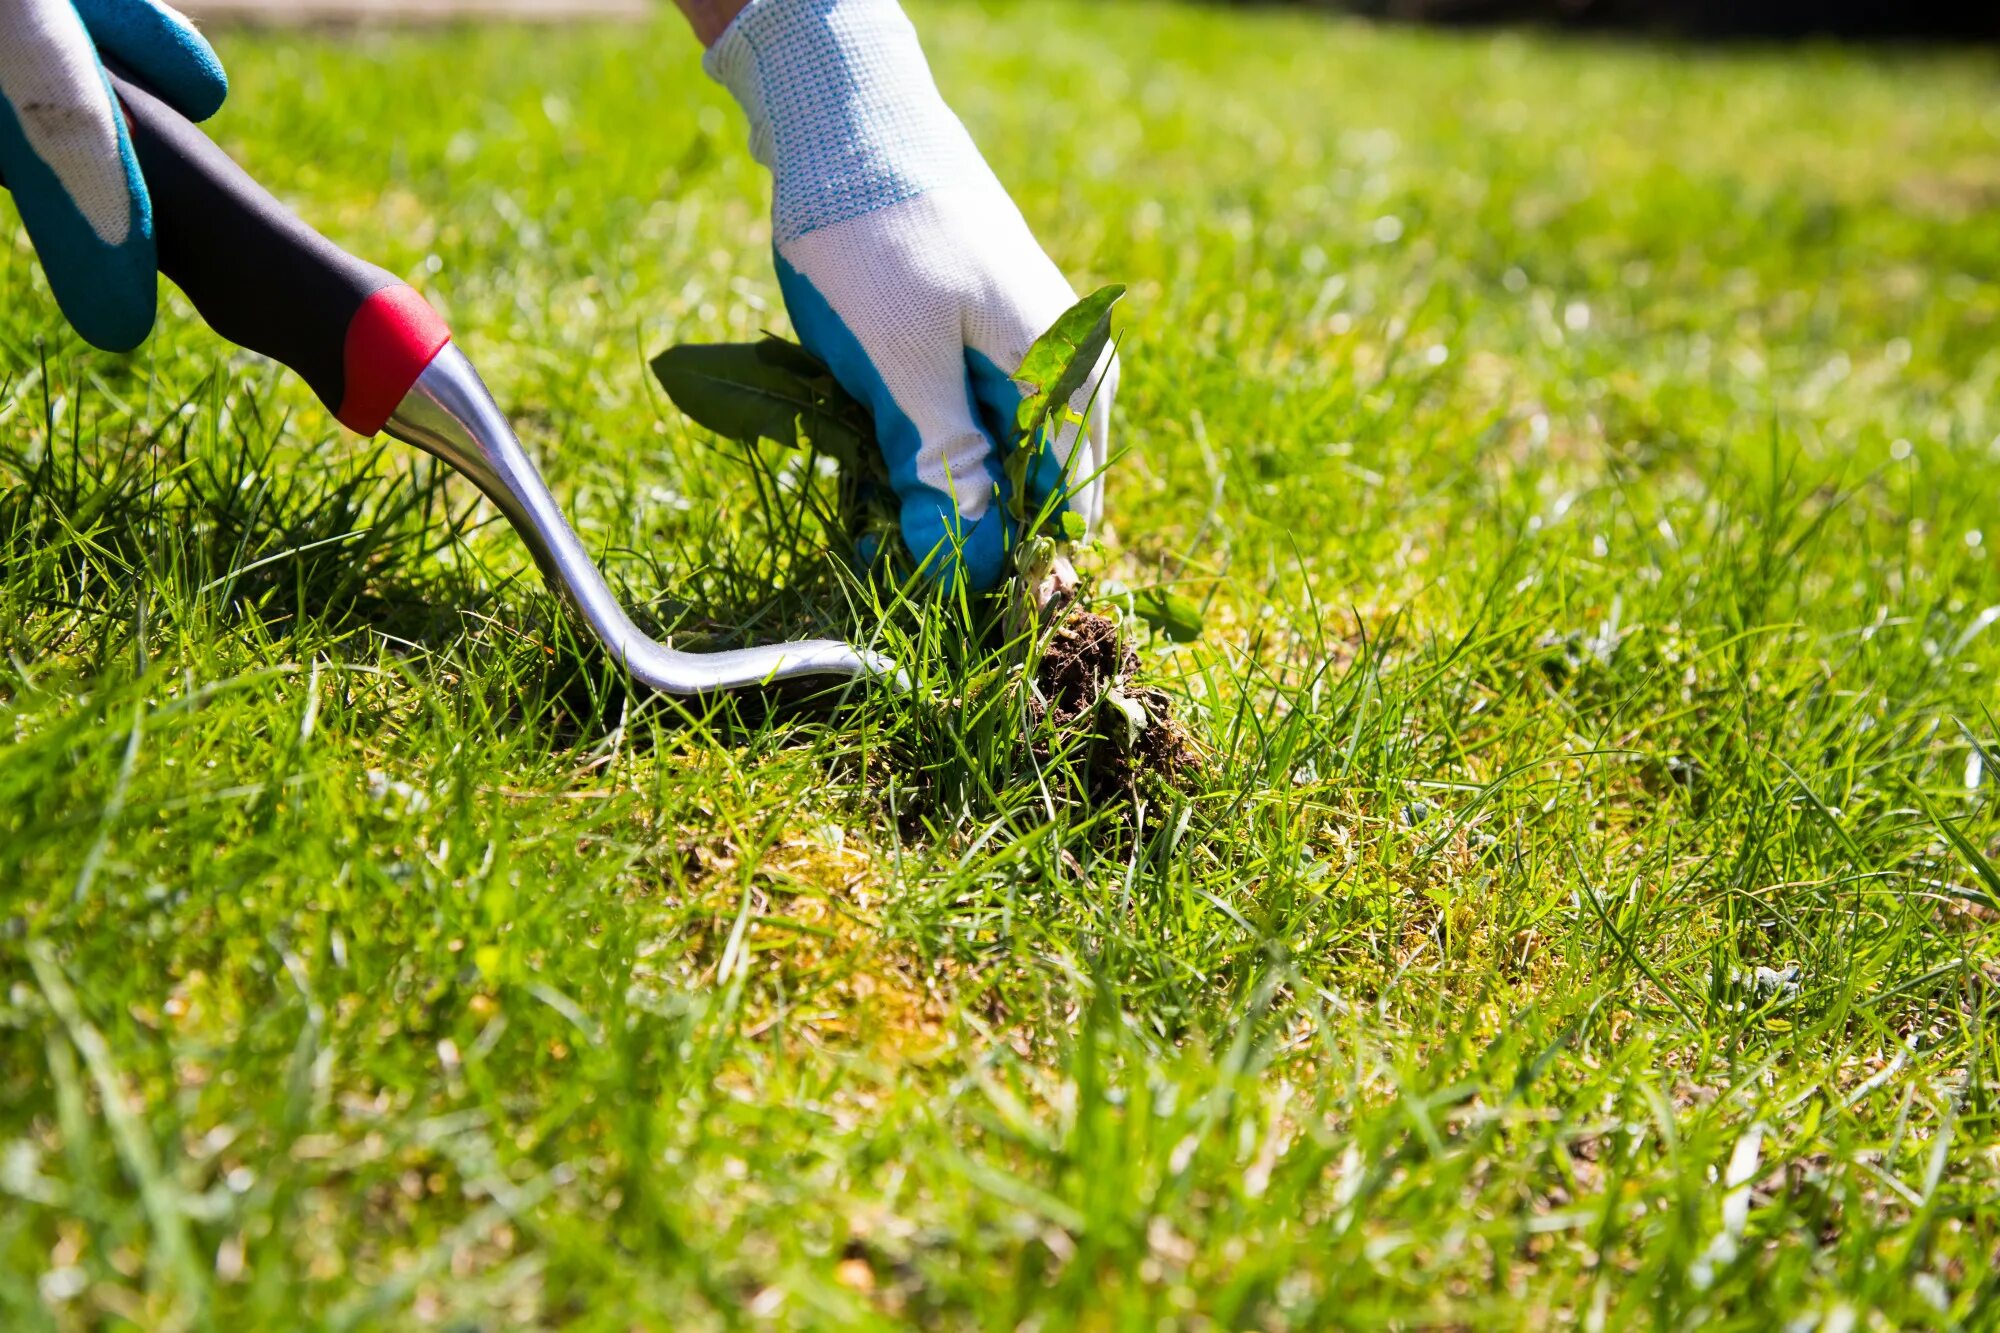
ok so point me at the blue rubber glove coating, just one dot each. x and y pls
(62, 135)
(907, 268)
(939, 538)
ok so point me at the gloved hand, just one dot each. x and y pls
(65, 153)
(907, 268)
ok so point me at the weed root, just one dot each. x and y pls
(1087, 690)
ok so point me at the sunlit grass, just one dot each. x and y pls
(1586, 455)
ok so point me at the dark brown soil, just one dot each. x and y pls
(1085, 657)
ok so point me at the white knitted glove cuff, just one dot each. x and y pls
(842, 109)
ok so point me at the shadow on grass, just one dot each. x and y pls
(138, 532)
(111, 544)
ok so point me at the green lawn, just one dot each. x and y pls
(1584, 450)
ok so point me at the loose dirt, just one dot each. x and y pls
(1087, 657)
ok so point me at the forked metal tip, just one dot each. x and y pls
(673, 672)
(450, 414)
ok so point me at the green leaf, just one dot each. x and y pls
(1168, 612)
(1131, 713)
(785, 354)
(733, 390)
(1014, 466)
(1073, 528)
(1060, 361)
(770, 390)
(1033, 557)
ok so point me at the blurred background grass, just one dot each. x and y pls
(1588, 449)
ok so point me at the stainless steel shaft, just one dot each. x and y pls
(450, 414)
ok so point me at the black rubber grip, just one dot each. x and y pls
(260, 277)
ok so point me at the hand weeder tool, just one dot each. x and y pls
(381, 359)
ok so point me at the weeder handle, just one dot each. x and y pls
(263, 279)
(378, 357)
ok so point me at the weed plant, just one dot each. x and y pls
(1586, 914)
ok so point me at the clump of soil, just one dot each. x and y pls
(1087, 658)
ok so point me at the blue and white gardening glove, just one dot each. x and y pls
(907, 269)
(66, 156)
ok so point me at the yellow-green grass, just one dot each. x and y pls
(1583, 451)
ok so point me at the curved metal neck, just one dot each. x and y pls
(450, 414)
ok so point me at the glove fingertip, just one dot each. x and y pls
(110, 294)
(192, 80)
(206, 87)
(103, 275)
(983, 558)
(951, 552)
(117, 324)
(163, 49)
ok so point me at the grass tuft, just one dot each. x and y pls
(1585, 911)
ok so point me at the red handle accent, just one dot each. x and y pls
(392, 338)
